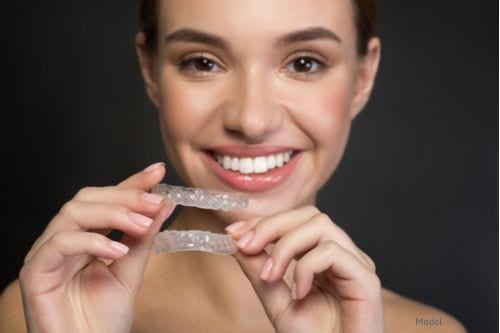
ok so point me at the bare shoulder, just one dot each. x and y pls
(11, 309)
(406, 315)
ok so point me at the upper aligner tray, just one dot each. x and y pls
(201, 198)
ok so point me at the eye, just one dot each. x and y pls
(199, 65)
(305, 65)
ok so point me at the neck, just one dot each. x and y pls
(216, 279)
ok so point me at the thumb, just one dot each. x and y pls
(130, 268)
(145, 179)
(274, 296)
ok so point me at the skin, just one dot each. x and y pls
(253, 98)
(296, 270)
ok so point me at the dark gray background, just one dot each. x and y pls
(417, 189)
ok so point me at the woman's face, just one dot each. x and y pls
(258, 96)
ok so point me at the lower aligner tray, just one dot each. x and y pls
(194, 240)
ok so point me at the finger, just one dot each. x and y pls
(306, 219)
(134, 199)
(304, 237)
(349, 277)
(368, 260)
(87, 216)
(67, 244)
(145, 179)
(356, 287)
(238, 229)
(97, 216)
(270, 228)
(274, 296)
(130, 268)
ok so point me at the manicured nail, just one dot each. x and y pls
(150, 198)
(266, 271)
(140, 220)
(235, 226)
(153, 167)
(294, 290)
(245, 239)
(120, 247)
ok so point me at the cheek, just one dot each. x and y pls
(334, 115)
(327, 116)
(180, 119)
(183, 109)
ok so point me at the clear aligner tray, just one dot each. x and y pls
(201, 198)
(194, 240)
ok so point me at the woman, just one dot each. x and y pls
(255, 97)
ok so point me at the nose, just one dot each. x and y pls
(253, 114)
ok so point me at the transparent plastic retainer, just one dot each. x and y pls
(194, 240)
(201, 198)
(197, 240)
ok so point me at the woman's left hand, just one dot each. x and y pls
(334, 288)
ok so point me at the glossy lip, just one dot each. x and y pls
(251, 182)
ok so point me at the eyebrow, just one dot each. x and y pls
(308, 34)
(197, 36)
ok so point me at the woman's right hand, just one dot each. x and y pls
(66, 284)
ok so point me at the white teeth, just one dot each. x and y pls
(271, 162)
(259, 164)
(226, 162)
(246, 165)
(279, 160)
(235, 164)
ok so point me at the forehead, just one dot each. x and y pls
(248, 20)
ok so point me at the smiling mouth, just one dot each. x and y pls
(253, 165)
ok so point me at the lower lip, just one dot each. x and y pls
(253, 182)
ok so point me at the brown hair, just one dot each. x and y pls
(365, 12)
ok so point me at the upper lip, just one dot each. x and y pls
(249, 151)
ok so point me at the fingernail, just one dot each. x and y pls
(235, 226)
(266, 271)
(150, 198)
(140, 220)
(120, 247)
(153, 167)
(245, 239)
(294, 291)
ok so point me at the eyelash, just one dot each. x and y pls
(320, 65)
(187, 65)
